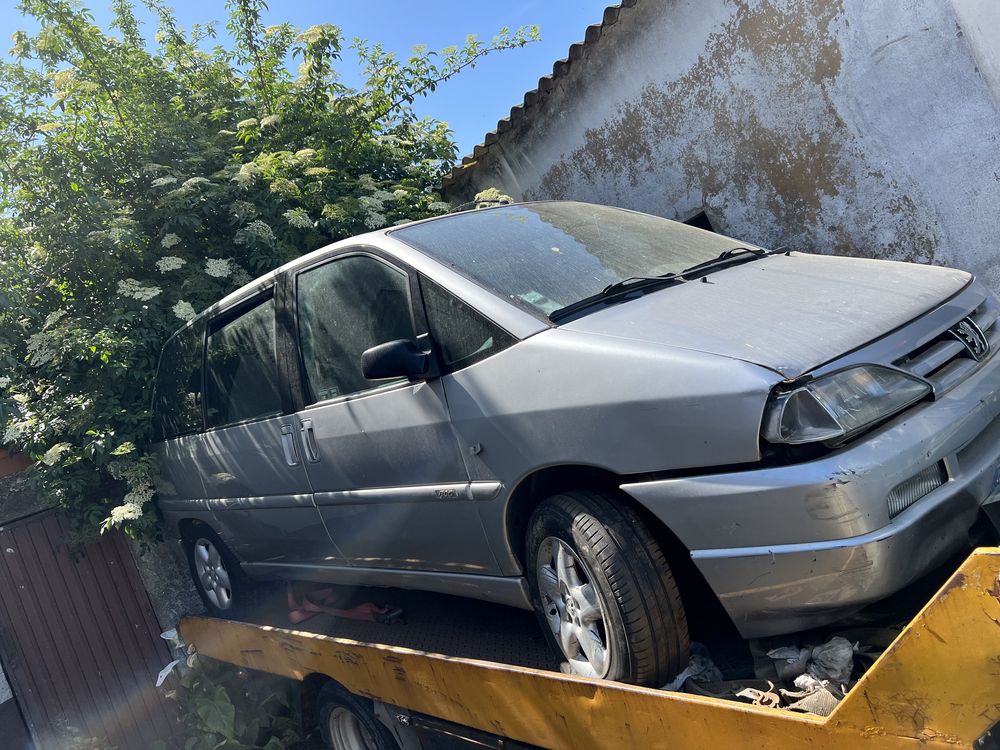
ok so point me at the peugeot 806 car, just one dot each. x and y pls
(573, 409)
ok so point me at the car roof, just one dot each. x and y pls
(379, 238)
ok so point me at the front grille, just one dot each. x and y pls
(906, 493)
(949, 357)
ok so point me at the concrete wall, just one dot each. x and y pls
(867, 127)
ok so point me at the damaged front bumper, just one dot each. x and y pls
(799, 546)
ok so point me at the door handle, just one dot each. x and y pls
(288, 445)
(309, 441)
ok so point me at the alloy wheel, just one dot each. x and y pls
(572, 608)
(212, 574)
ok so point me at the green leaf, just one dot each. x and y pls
(124, 449)
(218, 713)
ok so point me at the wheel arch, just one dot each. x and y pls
(698, 597)
(186, 527)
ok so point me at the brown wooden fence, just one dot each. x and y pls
(78, 638)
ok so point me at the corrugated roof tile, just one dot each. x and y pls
(545, 85)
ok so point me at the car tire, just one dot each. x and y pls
(348, 722)
(602, 590)
(225, 590)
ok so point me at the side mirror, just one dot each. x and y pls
(394, 359)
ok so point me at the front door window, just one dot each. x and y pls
(344, 308)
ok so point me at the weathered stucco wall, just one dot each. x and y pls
(852, 126)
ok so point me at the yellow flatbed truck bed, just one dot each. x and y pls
(937, 685)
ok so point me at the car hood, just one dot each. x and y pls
(789, 313)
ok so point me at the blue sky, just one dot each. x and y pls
(472, 103)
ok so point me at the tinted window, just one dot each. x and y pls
(544, 256)
(344, 308)
(242, 378)
(462, 335)
(177, 399)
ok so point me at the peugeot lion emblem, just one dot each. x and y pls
(972, 336)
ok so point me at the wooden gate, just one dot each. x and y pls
(78, 638)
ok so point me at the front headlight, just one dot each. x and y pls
(837, 406)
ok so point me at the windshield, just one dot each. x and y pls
(545, 256)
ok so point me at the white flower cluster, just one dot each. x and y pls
(374, 207)
(52, 318)
(243, 211)
(4, 381)
(169, 263)
(241, 277)
(383, 195)
(399, 194)
(367, 182)
(135, 290)
(250, 122)
(255, 232)
(183, 310)
(41, 349)
(169, 240)
(298, 218)
(122, 513)
(161, 181)
(195, 182)
(247, 175)
(15, 430)
(220, 268)
(266, 122)
(439, 206)
(140, 490)
(122, 231)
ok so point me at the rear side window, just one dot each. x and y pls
(462, 335)
(177, 398)
(242, 380)
(345, 307)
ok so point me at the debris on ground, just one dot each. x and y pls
(700, 668)
(767, 698)
(833, 661)
(807, 677)
(814, 699)
(326, 601)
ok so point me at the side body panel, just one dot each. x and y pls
(263, 507)
(564, 398)
(180, 492)
(391, 485)
(385, 468)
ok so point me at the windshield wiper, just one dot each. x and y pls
(618, 289)
(625, 287)
(725, 258)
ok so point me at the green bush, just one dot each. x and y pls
(140, 181)
(221, 706)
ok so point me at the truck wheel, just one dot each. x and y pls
(348, 722)
(224, 588)
(603, 592)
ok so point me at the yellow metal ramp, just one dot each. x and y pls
(937, 685)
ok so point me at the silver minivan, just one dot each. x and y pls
(593, 413)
